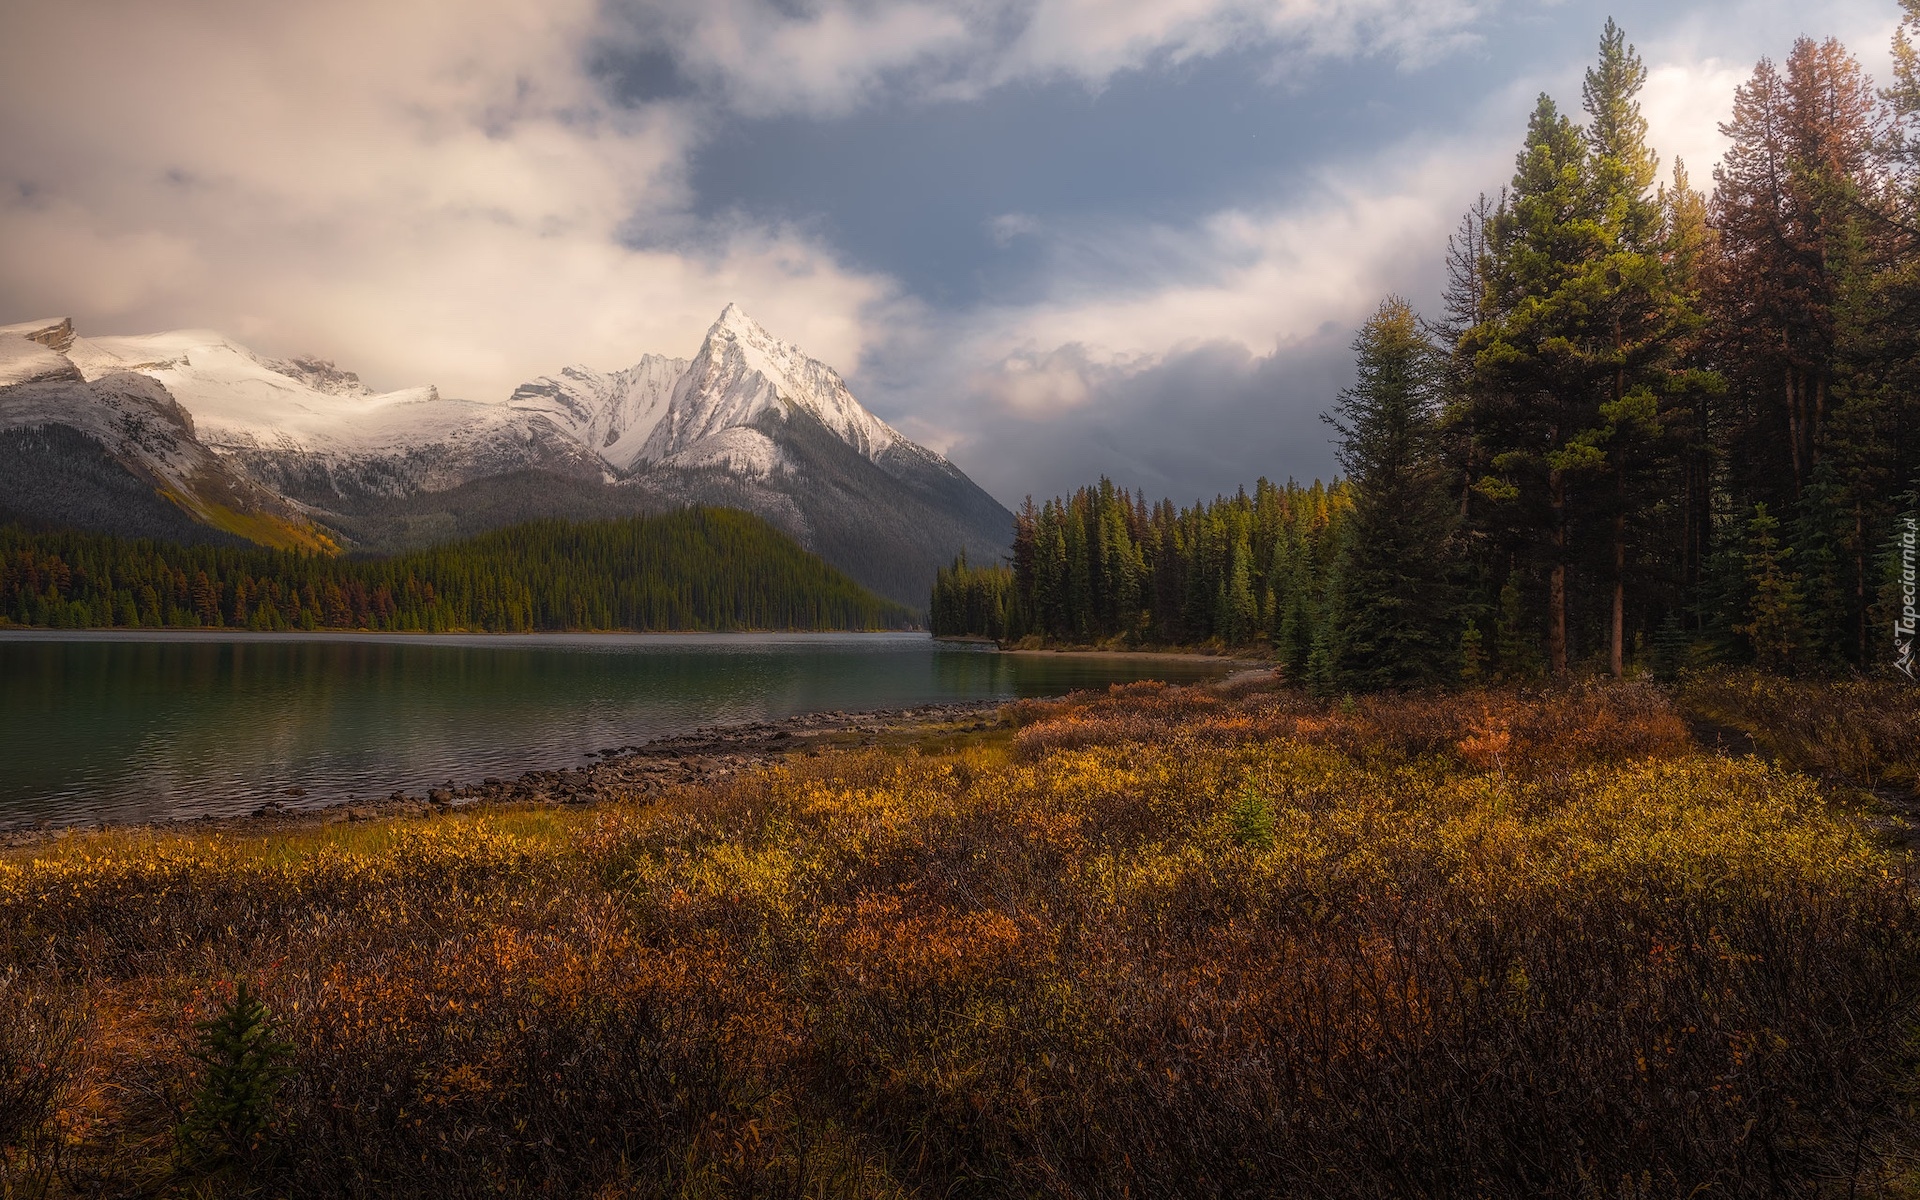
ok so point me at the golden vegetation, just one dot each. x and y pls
(258, 526)
(1155, 942)
(1864, 732)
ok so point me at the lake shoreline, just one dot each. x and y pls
(636, 771)
(589, 761)
(702, 756)
(1173, 653)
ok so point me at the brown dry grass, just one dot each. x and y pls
(1865, 732)
(1171, 942)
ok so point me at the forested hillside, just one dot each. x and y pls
(697, 569)
(1652, 425)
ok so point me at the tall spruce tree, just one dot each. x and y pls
(1775, 627)
(1528, 362)
(1816, 308)
(1636, 304)
(1569, 359)
(1785, 206)
(1397, 626)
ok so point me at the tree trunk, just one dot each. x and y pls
(1617, 648)
(1860, 578)
(1557, 584)
(1794, 427)
(1814, 421)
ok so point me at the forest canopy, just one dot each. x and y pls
(697, 569)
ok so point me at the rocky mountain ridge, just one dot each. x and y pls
(304, 450)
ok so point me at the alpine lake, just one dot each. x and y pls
(115, 727)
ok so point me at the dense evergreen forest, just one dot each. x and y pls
(697, 569)
(1652, 426)
(1102, 564)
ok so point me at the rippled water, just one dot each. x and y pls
(130, 727)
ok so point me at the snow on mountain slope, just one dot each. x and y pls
(747, 453)
(127, 413)
(55, 333)
(304, 428)
(289, 449)
(240, 401)
(659, 412)
(24, 361)
(743, 373)
(611, 414)
(134, 421)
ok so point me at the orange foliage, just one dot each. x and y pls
(1181, 942)
(1552, 730)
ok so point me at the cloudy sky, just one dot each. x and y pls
(1052, 238)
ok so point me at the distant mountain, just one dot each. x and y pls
(112, 449)
(290, 452)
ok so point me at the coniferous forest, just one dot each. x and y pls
(1420, 928)
(1655, 424)
(1103, 564)
(697, 569)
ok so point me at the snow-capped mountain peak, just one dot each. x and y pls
(610, 413)
(741, 374)
(290, 448)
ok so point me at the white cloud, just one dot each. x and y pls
(1042, 384)
(1209, 368)
(1259, 279)
(1684, 103)
(1004, 229)
(428, 193)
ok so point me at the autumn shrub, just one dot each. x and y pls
(41, 1024)
(1181, 942)
(1080, 975)
(1529, 731)
(1863, 731)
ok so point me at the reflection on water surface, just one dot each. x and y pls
(125, 727)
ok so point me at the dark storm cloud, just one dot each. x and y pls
(1203, 422)
(919, 191)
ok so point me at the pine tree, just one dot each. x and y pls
(1473, 655)
(1397, 626)
(1568, 363)
(1532, 383)
(1783, 207)
(1516, 645)
(1239, 606)
(1671, 647)
(243, 1065)
(1775, 627)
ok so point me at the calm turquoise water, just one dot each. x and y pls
(140, 727)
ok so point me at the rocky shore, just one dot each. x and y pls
(705, 755)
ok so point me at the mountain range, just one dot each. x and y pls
(191, 436)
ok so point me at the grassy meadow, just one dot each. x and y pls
(1222, 941)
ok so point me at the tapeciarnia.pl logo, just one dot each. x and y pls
(1903, 625)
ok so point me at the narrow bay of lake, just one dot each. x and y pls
(126, 727)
